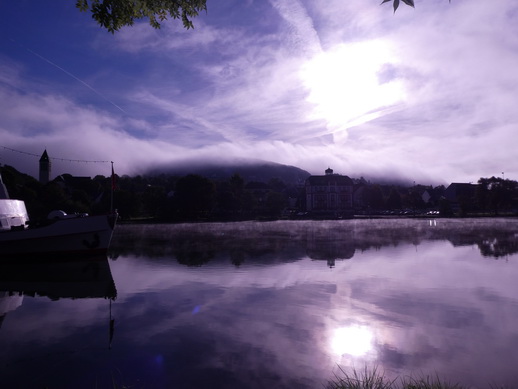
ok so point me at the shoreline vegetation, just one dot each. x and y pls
(166, 198)
(375, 379)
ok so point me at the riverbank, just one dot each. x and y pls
(153, 220)
(374, 379)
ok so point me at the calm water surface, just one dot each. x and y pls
(268, 305)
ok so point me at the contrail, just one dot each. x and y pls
(71, 75)
(77, 79)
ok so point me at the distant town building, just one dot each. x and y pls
(458, 192)
(45, 166)
(330, 194)
(426, 196)
(461, 196)
(70, 183)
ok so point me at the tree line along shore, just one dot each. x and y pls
(193, 197)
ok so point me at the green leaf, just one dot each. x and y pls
(114, 14)
(396, 3)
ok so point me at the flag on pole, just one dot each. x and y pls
(114, 186)
(114, 180)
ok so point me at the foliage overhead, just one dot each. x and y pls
(396, 3)
(114, 14)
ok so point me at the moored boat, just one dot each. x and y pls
(60, 234)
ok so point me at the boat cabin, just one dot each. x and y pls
(13, 214)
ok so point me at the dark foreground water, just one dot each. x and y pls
(268, 305)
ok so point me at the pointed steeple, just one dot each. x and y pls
(45, 166)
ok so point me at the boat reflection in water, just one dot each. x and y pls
(56, 279)
(48, 307)
(82, 278)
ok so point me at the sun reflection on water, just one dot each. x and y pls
(353, 340)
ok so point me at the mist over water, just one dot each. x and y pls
(277, 304)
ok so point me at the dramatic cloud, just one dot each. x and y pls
(425, 94)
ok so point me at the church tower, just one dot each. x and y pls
(44, 168)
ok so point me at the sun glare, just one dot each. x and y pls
(352, 340)
(345, 85)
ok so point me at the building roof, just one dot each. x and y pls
(456, 189)
(336, 179)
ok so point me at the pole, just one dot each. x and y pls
(112, 188)
(112, 327)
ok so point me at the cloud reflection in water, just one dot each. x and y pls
(407, 297)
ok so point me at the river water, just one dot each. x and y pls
(269, 305)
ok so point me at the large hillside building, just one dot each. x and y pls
(330, 194)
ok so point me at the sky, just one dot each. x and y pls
(426, 94)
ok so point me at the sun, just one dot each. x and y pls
(348, 84)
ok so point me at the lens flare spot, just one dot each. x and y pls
(159, 360)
